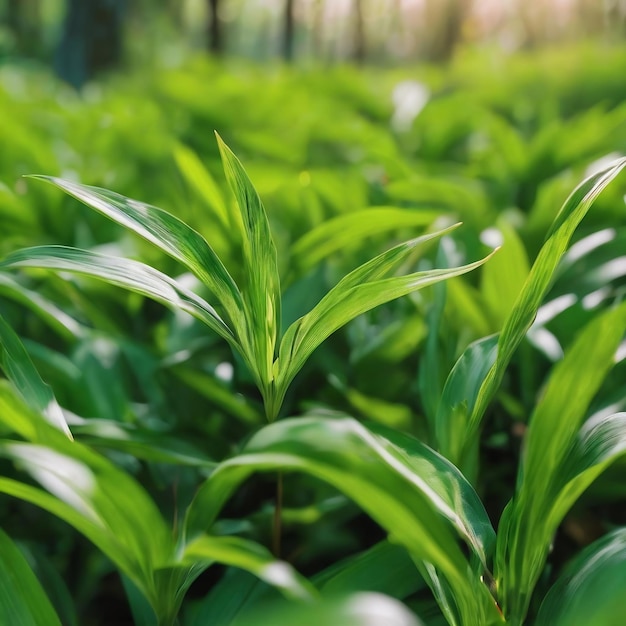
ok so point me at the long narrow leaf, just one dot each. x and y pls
(131, 275)
(166, 232)
(401, 494)
(525, 308)
(333, 234)
(548, 479)
(19, 369)
(361, 290)
(262, 292)
(22, 599)
(253, 558)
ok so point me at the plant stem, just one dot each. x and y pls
(277, 523)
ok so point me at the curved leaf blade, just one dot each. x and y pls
(360, 609)
(371, 471)
(252, 557)
(361, 290)
(590, 592)
(168, 233)
(19, 369)
(557, 464)
(333, 234)
(131, 275)
(22, 599)
(262, 293)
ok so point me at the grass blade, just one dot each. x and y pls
(93, 496)
(529, 300)
(336, 233)
(252, 557)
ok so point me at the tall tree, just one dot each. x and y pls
(91, 40)
(289, 30)
(360, 47)
(216, 33)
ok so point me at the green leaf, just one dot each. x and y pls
(460, 394)
(530, 298)
(336, 233)
(361, 290)
(252, 557)
(385, 568)
(22, 599)
(262, 293)
(20, 370)
(590, 592)
(169, 234)
(502, 282)
(406, 488)
(131, 275)
(557, 466)
(94, 497)
(198, 177)
(360, 609)
(55, 317)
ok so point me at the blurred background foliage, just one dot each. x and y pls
(483, 111)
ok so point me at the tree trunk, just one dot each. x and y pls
(289, 30)
(359, 33)
(91, 40)
(216, 35)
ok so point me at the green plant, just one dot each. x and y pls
(422, 498)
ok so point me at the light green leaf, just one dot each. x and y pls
(336, 233)
(399, 486)
(361, 290)
(460, 393)
(262, 290)
(502, 282)
(94, 497)
(360, 609)
(22, 599)
(198, 177)
(252, 557)
(590, 592)
(19, 369)
(131, 275)
(169, 234)
(531, 296)
(556, 467)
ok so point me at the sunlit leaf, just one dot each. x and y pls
(361, 290)
(553, 471)
(338, 232)
(253, 558)
(406, 488)
(169, 234)
(125, 273)
(262, 290)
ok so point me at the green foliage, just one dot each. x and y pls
(435, 390)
